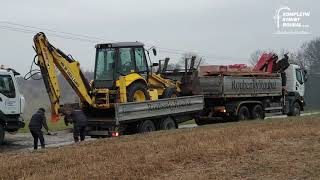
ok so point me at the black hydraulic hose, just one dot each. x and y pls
(33, 72)
(65, 56)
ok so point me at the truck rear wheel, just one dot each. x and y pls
(137, 92)
(1, 134)
(243, 113)
(257, 112)
(147, 126)
(167, 124)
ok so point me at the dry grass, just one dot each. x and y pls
(273, 149)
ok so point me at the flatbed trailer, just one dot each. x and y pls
(139, 117)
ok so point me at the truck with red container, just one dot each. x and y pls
(239, 92)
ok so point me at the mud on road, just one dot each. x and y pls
(24, 141)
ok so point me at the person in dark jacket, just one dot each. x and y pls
(38, 120)
(79, 120)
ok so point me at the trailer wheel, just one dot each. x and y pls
(137, 92)
(257, 112)
(167, 124)
(1, 134)
(200, 121)
(243, 113)
(170, 92)
(147, 126)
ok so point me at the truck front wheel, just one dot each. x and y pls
(147, 126)
(1, 134)
(296, 110)
(243, 113)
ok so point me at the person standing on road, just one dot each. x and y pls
(38, 120)
(80, 122)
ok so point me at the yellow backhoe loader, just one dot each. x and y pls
(121, 74)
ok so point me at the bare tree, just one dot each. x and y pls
(309, 55)
(198, 59)
(254, 57)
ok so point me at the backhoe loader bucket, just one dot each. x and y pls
(54, 118)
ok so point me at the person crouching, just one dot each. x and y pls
(79, 121)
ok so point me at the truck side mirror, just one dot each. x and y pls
(154, 51)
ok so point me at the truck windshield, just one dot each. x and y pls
(105, 64)
(7, 86)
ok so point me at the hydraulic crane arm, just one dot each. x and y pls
(50, 57)
(266, 63)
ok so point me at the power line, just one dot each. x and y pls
(85, 38)
(197, 52)
(55, 31)
(203, 55)
(51, 34)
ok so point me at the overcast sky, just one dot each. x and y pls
(224, 31)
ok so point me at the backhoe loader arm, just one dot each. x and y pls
(50, 57)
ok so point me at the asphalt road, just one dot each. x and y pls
(24, 141)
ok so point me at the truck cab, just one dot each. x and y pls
(295, 87)
(295, 79)
(11, 102)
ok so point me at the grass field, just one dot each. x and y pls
(271, 149)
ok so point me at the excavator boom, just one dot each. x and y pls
(50, 58)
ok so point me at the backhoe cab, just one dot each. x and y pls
(125, 64)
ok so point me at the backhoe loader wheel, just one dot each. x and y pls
(137, 92)
(170, 92)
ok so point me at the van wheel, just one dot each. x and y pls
(257, 112)
(138, 92)
(1, 134)
(243, 113)
(147, 126)
(170, 92)
(167, 124)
